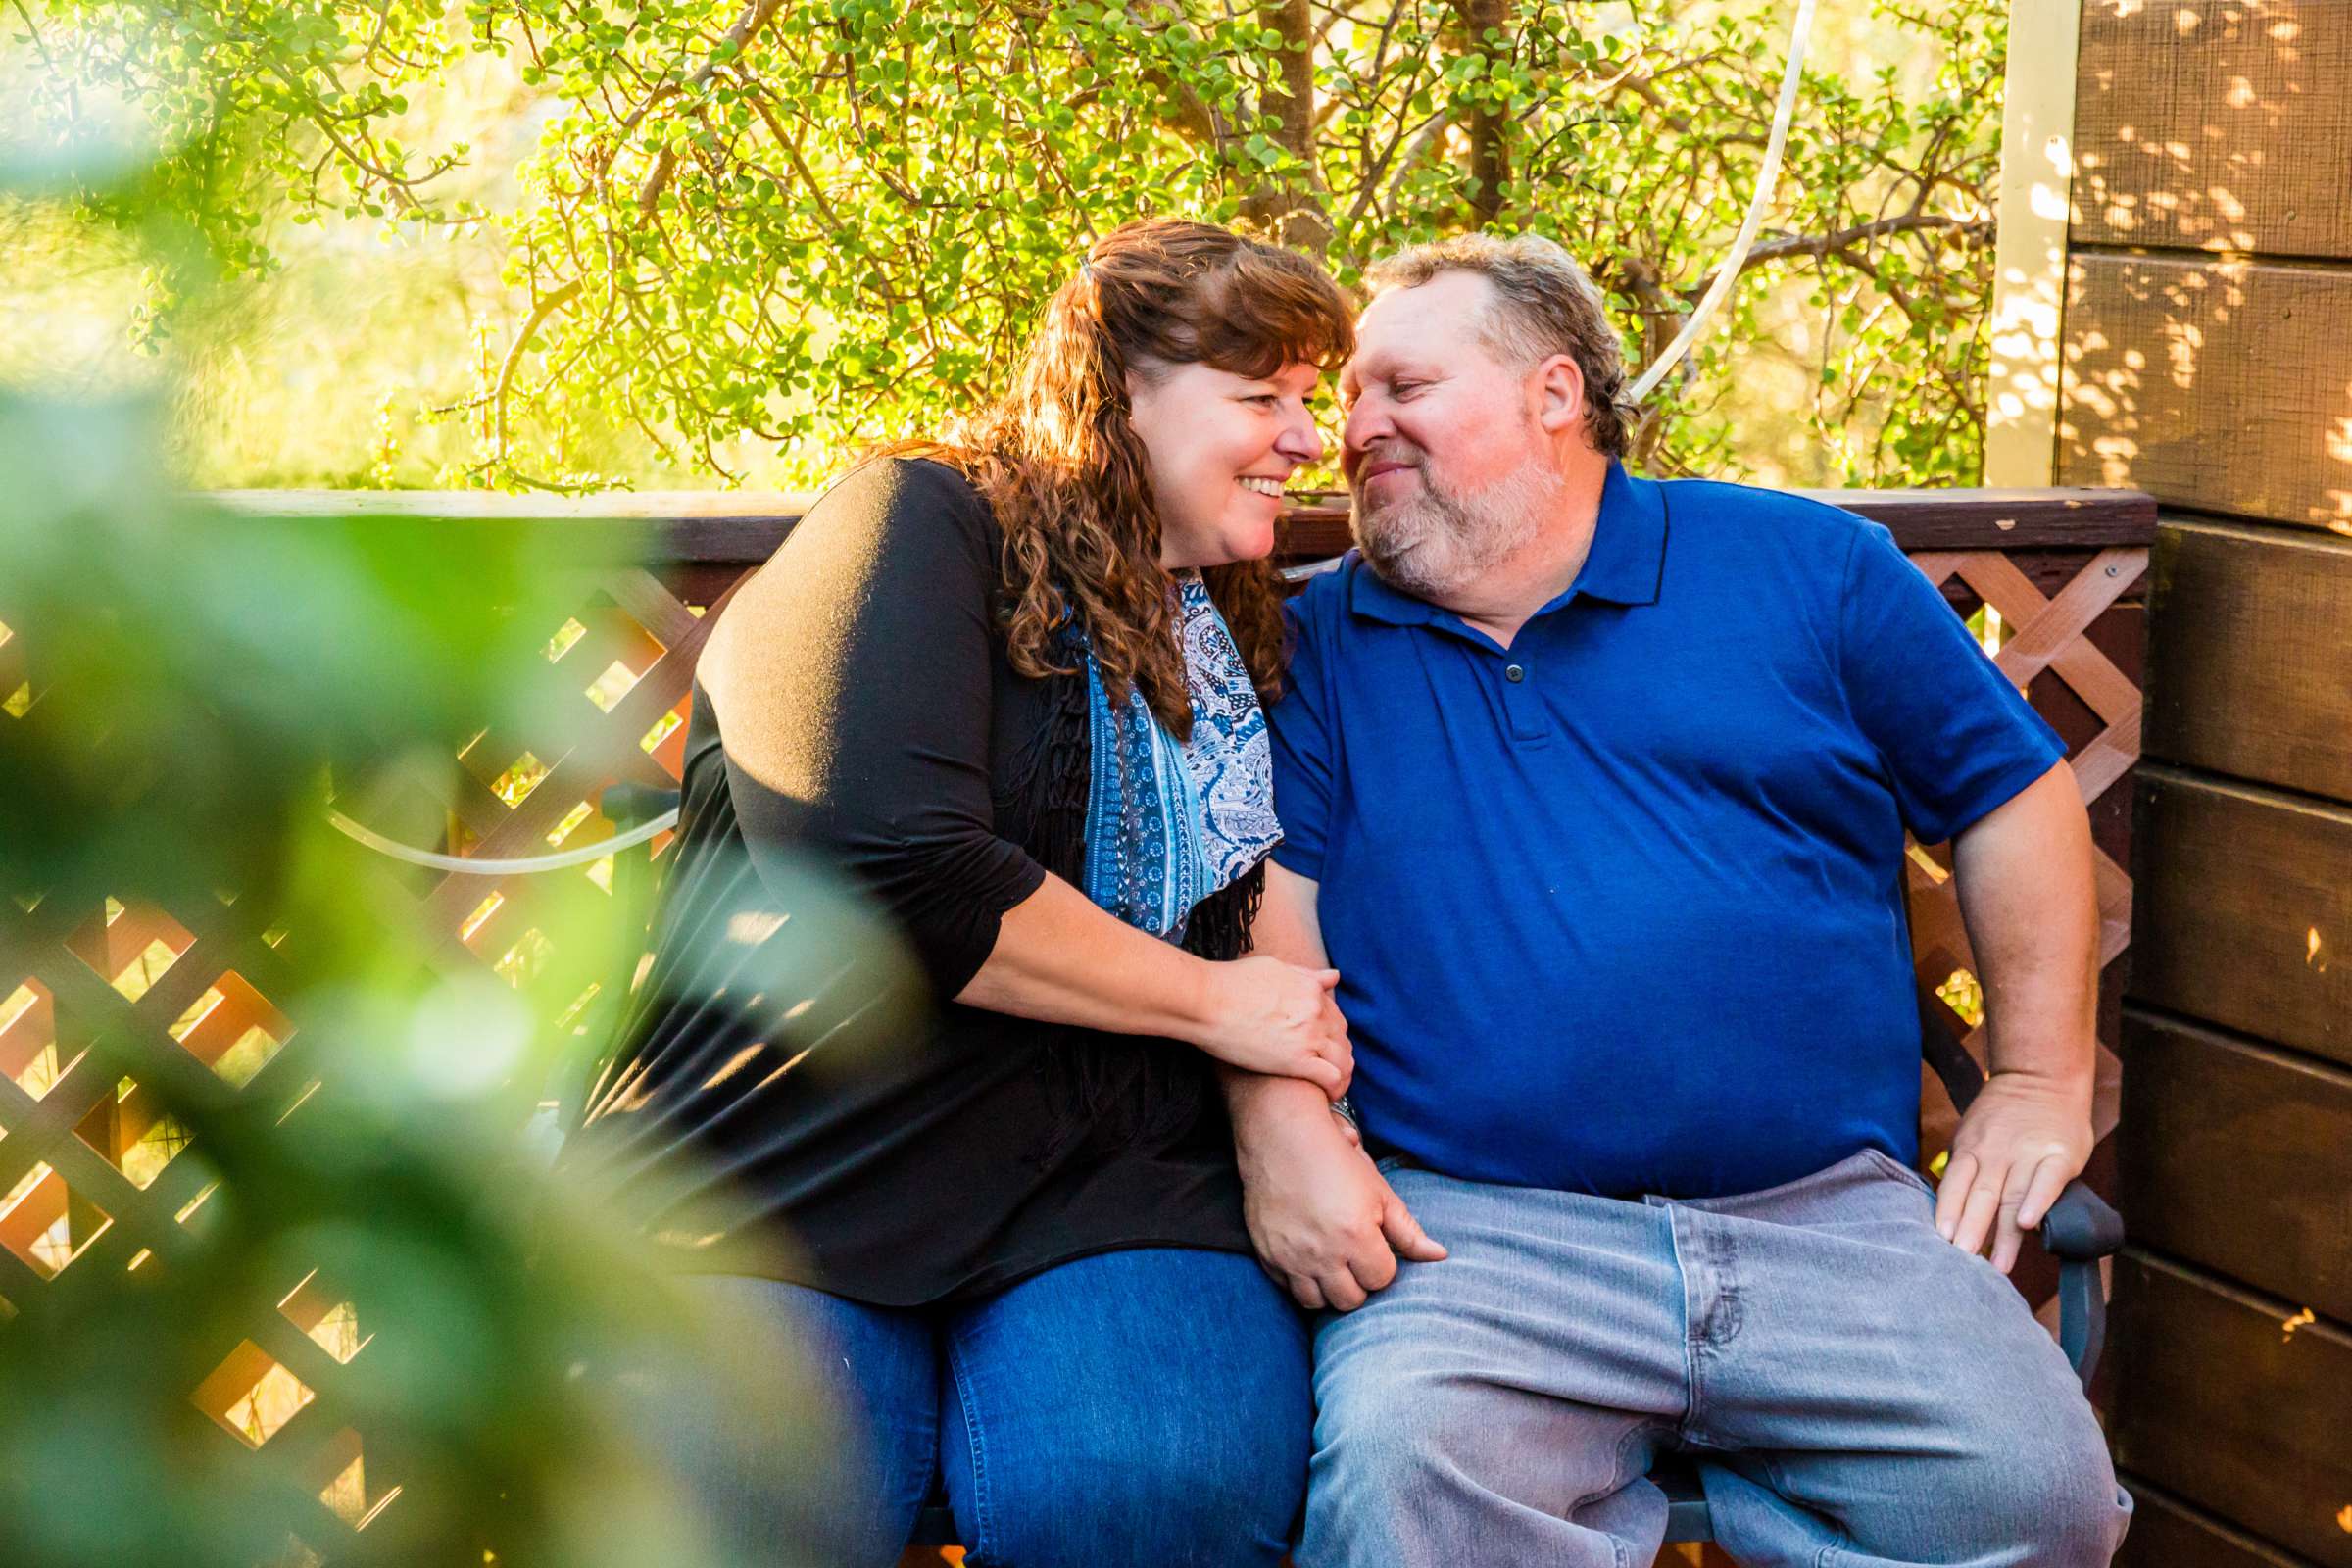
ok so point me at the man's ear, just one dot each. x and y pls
(1556, 389)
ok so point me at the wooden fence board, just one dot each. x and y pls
(686, 529)
(2252, 676)
(2222, 1398)
(2224, 386)
(2057, 517)
(2167, 1533)
(2221, 124)
(2240, 1159)
(2244, 910)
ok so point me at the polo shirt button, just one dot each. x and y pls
(1514, 674)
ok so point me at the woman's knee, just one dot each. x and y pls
(1151, 1484)
(807, 1431)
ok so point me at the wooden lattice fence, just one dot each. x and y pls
(100, 1004)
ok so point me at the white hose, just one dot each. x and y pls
(1767, 177)
(521, 867)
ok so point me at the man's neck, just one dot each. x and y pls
(1500, 600)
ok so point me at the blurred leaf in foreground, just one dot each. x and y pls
(280, 1289)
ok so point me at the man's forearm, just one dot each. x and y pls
(1288, 930)
(1258, 1102)
(2030, 905)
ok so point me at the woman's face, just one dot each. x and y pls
(1220, 447)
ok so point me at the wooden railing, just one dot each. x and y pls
(92, 1175)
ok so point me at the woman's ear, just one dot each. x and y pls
(1142, 377)
(1139, 404)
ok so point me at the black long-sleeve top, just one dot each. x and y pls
(792, 1095)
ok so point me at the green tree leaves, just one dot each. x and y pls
(817, 225)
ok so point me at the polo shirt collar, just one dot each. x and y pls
(1624, 566)
(1627, 558)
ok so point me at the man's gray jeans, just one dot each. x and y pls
(1859, 1392)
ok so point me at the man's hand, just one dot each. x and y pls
(1324, 1221)
(2022, 1140)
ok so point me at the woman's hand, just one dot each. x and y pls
(1264, 1015)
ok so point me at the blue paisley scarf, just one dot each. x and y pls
(1168, 822)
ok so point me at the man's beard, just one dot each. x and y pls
(1437, 539)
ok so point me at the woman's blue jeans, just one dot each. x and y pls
(1151, 1405)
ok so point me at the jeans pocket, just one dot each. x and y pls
(1902, 1172)
(1387, 1163)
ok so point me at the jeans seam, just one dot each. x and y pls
(983, 1522)
(1689, 1425)
(1723, 1264)
(1830, 1550)
(1618, 1472)
(1620, 1477)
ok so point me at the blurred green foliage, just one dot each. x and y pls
(192, 681)
(735, 239)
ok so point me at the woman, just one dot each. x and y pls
(1011, 687)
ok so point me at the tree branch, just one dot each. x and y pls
(1189, 111)
(1645, 87)
(1293, 206)
(1840, 244)
(1416, 150)
(548, 305)
(731, 44)
(1488, 129)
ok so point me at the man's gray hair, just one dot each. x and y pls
(1544, 305)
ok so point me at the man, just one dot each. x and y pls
(1593, 791)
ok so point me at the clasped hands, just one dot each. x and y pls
(1325, 1224)
(1262, 1016)
(1323, 1220)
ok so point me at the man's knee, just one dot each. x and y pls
(1429, 1463)
(2047, 1494)
(1410, 1428)
(2070, 1509)
(1379, 1463)
(1380, 1426)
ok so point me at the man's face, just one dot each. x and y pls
(1450, 469)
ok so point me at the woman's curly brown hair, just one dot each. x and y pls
(1066, 472)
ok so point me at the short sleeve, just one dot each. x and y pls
(862, 658)
(1302, 762)
(1959, 739)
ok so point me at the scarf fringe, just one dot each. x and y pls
(1113, 1089)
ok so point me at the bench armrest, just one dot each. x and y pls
(2079, 1230)
(2081, 1227)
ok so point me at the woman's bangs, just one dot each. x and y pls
(1272, 315)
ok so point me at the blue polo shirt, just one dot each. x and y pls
(1619, 910)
